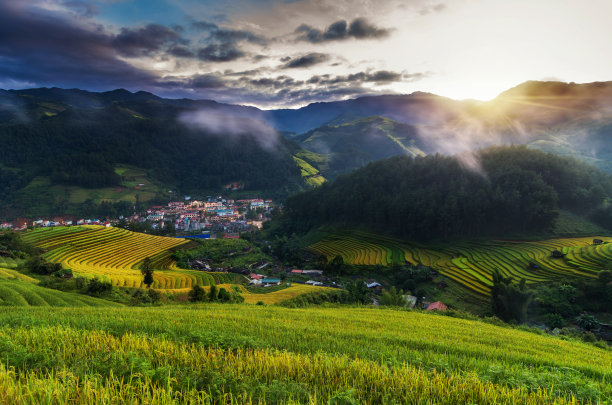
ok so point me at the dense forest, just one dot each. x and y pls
(510, 190)
(82, 145)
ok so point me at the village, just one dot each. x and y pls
(212, 217)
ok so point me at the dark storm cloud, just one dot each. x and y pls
(44, 47)
(307, 60)
(143, 41)
(378, 77)
(207, 81)
(235, 36)
(223, 44)
(360, 28)
(181, 52)
(220, 53)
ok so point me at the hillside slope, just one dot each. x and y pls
(353, 144)
(495, 192)
(53, 138)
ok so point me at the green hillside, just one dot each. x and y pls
(499, 192)
(17, 289)
(257, 354)
(353, 144)
(63, 147)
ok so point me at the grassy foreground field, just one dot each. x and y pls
(473, 263)
(258, 354)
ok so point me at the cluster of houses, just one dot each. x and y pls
(215, 215)
(20, 224)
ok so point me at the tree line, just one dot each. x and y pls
(513, 190)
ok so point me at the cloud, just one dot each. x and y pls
(82, 8)
(223, 44)
(142, 41)
(181, 52)
(359, 28)
(378, 77)
(204, 25)
(228, 36)
(50, 47)
(232, 126)
(307, 60)
(207, 81)
(430, 9)
(220, 53)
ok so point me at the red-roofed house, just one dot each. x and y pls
(437, 306)
(296, 271)
(254, 276)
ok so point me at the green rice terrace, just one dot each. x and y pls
(472, 263)
(116, 255)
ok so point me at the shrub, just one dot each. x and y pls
(98, 287)
(197, 294)
(554, 321)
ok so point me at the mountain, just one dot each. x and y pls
(414, 109)
(568, 119)
(61, 148)
(508, 191)
(350, 145)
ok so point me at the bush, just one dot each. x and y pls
(587, 322)
(223, 295)
(98, 287)
(197, 294)
(38, 265)
(554, 321)
(149, 297)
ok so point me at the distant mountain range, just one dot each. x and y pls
(79, 138)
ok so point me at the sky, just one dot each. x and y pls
(289, 53)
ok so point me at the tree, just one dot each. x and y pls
(197, 294)
(605, 277)
(223, 295)
(213, 294)
(587, 322)
(358, 293)
(147, 272)
(37, 264)
(510, 301)
(392, 297)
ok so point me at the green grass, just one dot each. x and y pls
(41, 196)
(261, 354)
(20, 290)
(309, 173)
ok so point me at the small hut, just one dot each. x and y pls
(597, 241)
(533, 265)
(437, 306)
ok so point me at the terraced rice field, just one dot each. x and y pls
(8, 262)
(473, 263)
(116, 254)
(19, 290)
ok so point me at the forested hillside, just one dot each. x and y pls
(494, 192)
(73, 138)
